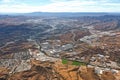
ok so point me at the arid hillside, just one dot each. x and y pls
(56, 71)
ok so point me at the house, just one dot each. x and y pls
(67, 47)
(45, 46)
(114, 71)
(98, 70)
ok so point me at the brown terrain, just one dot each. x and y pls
(106, 25)
(56, 71)
(73, 35)
(21, 56)
(12, 48)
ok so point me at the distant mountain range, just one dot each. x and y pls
(61, 14)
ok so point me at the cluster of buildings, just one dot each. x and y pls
(101, 63)
(55, 49)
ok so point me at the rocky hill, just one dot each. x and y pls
(57, 71)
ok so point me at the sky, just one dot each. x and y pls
(26, 6)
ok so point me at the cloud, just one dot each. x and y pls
(62, 6)
(81, 6)
(7, 1)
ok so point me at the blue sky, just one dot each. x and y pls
(25, 6)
